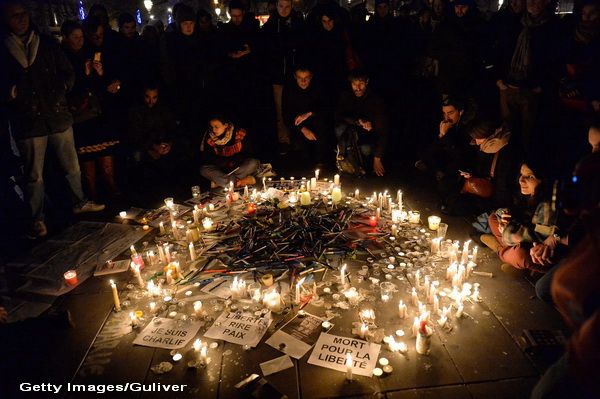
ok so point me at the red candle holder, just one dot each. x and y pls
(373, 221)
(251, 209)
(71, 277)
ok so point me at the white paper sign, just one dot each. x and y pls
(330, 352)
(297, 336)
(167, 333)
(239, 328)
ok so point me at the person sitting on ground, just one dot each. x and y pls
(494, 162)
(450, 151)
(226, 154)
(303, 114)
(515, 229)
(148, 121)
(361, 113)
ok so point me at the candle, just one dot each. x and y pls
(161, 254)
(396, 215)
(326, 325)
(343, 275)
(198, 308)
(349, 364)
(152, 307)
(115, 296)
(211, 207)
(336, 195)
(465, 252)
(136, 272)
(134, 319)
(238, 288)
(196, 213)
(364, 330)
(475, 250)
(192, 251)
(169, 277)
(378, 213)
(356, 193)
(434, 222)
(415, 326)
(272, 300)
(414, 297)
(169, 203)
(402, 310)
(399, 199)
(267, 280)
(459, 311)
(174, 230)
(394, 230)
(305, 198)
(336, 180)
(123, 214)
(435, 245)
(418, 279)
(161, 227)
(436, 304)
(414, 217)
(207, 223)
(167, 252)
(298, 285)
(70, 277)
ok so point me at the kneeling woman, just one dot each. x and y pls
(227, 154)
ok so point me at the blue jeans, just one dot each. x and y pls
(365, 149)
(217, 175)
(558, 383)
(33, 153)
(544, 284)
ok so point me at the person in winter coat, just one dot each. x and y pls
(226, 154)
(37, 77)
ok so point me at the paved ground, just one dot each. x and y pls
(480, 358)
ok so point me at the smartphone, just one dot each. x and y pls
(97, 57)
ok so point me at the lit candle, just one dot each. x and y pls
(272, 301)
(349, 364)
(167, 252)
(336, 180)
(364, 329)
(198, 308)
(305, 198)
(115, 296)
(298, 285)
(138, 275)
(415, 326)
(207, 223)
(378, 213)
(70, 277)
(459, 311)
(399, 198)
(418, 279)
(192, 251)
(169, 203)
(343, 275)
(394, 230)
(356, 193)
(336, 195)
(134, 319)
(434, 222)
(152, 307)
(313, 184)
(169, 277)
(465, 252)
(122, 214)
(414, 297)
(436, 304)
(161, 254)
(196, 213)
(402, 310)
(317, 174)
(475, 249)
(435, 245)
(211, 207)
(161, 227)
(396, 215)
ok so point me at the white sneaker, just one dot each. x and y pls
(89, 206)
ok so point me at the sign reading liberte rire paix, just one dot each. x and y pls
(330, 352)
(239, 328)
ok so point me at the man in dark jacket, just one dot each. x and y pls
(363, 112)
(303, 114)
(37, 78)
(284, 40)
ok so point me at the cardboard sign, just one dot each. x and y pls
(239, 328)
(297, 336)
(167, 333)
(330, 352)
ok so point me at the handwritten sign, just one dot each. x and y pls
(297, 336)
(239, 328)
(167, 333)
(330, 352)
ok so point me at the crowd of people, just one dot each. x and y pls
(150, 112)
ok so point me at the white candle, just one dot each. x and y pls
(161, 254)
(192, 251)
(136, 272)
(475, 250)
(336, 195)
(313, 183)
(196, 213)
(465, 252)
(317, 174)
(436, 304)
(378, 213)
(349, 364)
(174, 230)
(272, 300)
(152, 307)
(356, 193)
(336, 180)
(161, 227)
(396, 215)
(207, 223)
(198, 308)
(402, 310)
(298, 285)
(435, 245)
(305, 198)
(415, 326)
(169, 277)
(167, 252)
(326, 325)
(115, 296)
(343, 275)
(459, 311)
(134, 319)
(394, 230)
(418, 279)
(414, 297)
(434, 222)
(399, 198)
(364, 329)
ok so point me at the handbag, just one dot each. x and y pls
(481, 186)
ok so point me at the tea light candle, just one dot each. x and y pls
(272, 300)
(267, 280)
(169, 203)
(123, 214)
(70, 277)
(177, 357)
(326, 325)
(115, 296)
(388, 369)
(383, 361)
(377, 372)
(434, 222)
(207, 223)
(349, 364)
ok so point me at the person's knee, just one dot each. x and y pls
(252, 165)
(340, 129)
(542, 288)
(366, 150)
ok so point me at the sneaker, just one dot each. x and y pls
(490, 241)
(89, 206)
(38, 230)
(246, 181)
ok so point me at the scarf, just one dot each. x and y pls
(226, 145)
(24, 52)
(520, 65)
(495, 142)
(220, 140)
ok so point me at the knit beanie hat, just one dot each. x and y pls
(185, 13)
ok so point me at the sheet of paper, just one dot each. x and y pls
(330, 352)
(167, 333)
(297, 336)
(276, 365)
(241, 328)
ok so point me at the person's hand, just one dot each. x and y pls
(13, 92)
(301, 118)
(378, 166)
(365, 125)
(114, 86)
(88, 67)
(466, 175)
(596, 105)
(541, 254)
(444, 127)
(309, 134)
(500, 84)
(3, 315)
(97, 65)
